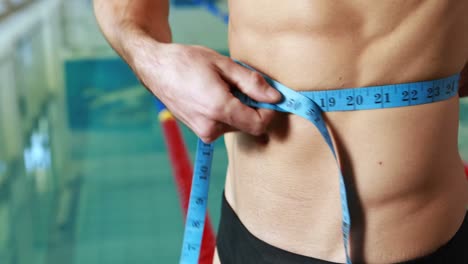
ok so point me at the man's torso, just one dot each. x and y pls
(404, 162)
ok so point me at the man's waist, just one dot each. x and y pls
(377, 149)
(308, 224)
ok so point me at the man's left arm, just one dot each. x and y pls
(463, 88)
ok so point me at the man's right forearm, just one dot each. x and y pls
(125, 22)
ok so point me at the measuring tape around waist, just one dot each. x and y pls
(309, 105)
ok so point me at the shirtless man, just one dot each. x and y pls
(408, 179)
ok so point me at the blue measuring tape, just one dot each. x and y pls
(309, 105)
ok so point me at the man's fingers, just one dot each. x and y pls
(245, 118)
(266, 115)
(208, 135)
(249, 82)
(226, 129)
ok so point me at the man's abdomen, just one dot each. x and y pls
(403, 163)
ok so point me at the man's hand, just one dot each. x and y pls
(195, 84)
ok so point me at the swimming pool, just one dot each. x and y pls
(108, 195)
